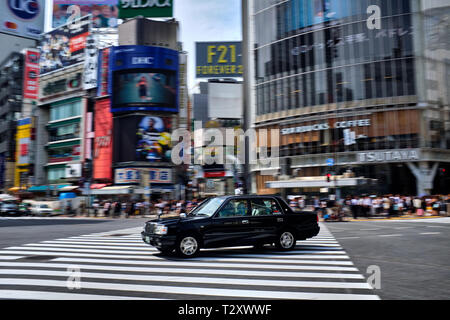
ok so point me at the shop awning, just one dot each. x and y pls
(155, 189)
(314, 182)
(98, 186)
(16, 189)
(46, 188)
(69, 188)
(111, 190)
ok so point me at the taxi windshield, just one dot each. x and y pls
(207, 208)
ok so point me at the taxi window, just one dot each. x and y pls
(265, 207)
(234, 208)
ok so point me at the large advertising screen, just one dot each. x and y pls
(218, 60)
(64, 46)
(104, 12)
(25, 18)
(143, 79)
(142, 138)
(145, 87)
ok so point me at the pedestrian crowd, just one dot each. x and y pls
(115, 209)
(374, 205)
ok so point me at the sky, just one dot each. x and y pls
(200, 20)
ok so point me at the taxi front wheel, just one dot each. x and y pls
(188, 246)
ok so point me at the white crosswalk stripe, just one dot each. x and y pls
(118, 265)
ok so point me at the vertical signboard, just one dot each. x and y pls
(91, 62)
(102, 78)
(103, 144)
(31, 75)
(148, 8)
(23, 148)
(24, 18)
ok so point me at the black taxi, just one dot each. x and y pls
(232, 221)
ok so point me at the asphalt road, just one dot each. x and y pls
(17, 231)
(413, 258)
(413, 255)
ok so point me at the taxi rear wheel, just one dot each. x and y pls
(286, 240)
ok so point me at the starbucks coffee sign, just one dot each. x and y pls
(145, 8)
(389, 156)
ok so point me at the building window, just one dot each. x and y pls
(64, 111)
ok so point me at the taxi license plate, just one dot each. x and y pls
(147, 239)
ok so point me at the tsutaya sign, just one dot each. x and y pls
(326, 126)
(389, 156)
(145, 8)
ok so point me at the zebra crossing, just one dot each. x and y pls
(118, 265)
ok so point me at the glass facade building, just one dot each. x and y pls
(301, 62)
(323, 67)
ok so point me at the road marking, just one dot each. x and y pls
(131, 265)
(261, 294)
(127, 248)
(102, 244)
(204, 280)
(155, 258)
(390, 235)
(184, 271)
(10, 257)
(218, 265)
(44, 295)
(429, 233)
(348, 238)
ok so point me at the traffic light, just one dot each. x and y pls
(328, 177)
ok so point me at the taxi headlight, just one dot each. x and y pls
(161, 229)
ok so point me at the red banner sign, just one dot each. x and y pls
(31, 76)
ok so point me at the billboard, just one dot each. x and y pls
(31, 75)
(91, 62)
(127, 176)
(23, 141)
(103, 70)
(143, 78)
(133, 175)
(65, 46)
(312, 12)
(103, 143)
(104, 12)
(142, 138)
(23, 18)
(218, 60)
(225, 101)
(147, 9)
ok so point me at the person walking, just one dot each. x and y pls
(354, 207)
(117, 209)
